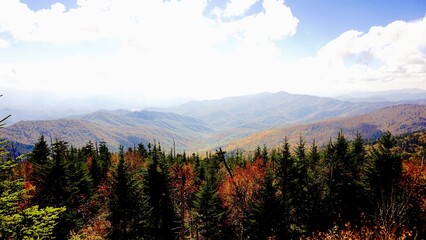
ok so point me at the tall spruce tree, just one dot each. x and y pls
(285, 174)
(18, 220)
(162, 220)
(125, 205)
(383, 172)
(104, 158)
(300, 195)
(262, 217)
(210, 213)
(316, 190)
(39, 159)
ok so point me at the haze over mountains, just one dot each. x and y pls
(234, 122)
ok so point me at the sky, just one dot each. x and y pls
(132, 53)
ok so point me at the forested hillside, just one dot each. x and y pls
(398, 119)
(116, 128)
(265, 110)
(346, 189)
(128, 128)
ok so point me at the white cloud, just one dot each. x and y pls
(167, 48)
(4, 43)
(237, 7)
(388, 57)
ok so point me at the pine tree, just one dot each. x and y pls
(78, 173)
(104, 158)
(143, 153)
(90, 154)
(210, 212)
(285, 174)
(17, 219)
(383, 172)
(162, 220)
(41, 152)
(39, 159)
(316, 190)
(263, 215)
(358, 201)
(125, 204)
(56, 190)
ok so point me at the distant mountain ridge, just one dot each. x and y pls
(266, 110)
(119, 127)
(125, 118)
(203, 125)
(402, 95)
(398, 119)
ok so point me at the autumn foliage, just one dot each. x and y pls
(347, 189)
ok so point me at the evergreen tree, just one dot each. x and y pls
(125, 205)
(39, 159)
(263, 213)
(383, 172)
(56, 189)
(104, 158)
(385, 168)
(264, 155)
(18, 220)
(41, 152)
(359, 200)
(316, 190)
(162, 220)
(285, 174)
(143, 153)
(90, 154)
(79, 176)
(210, 211)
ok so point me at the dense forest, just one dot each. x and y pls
(345, 189)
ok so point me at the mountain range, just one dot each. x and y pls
(234, 122)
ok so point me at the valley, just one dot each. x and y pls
(231, 123)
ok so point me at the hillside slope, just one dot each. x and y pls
(397, 119)
(266, 110)
(116, 128)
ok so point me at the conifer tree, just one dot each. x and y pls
(263, 213)
(316, 190)
(41, 152)
(57, 183)
(126, 212)
(162, 220)
(104, 158)
(79, 176)
(358, 201)
(39, 159)
(285, 174)
(143, 153)
(210, 212)
(383, 172)
(90, 154)
(301, 184)
(18, 220)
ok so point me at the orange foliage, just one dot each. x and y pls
(27, 195)
(364, 233)
(183, 183)
(135, 161)
(25, 170)
(239, 191)
(97, 226)
(414, 182)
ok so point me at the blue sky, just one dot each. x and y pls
(159, 51)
